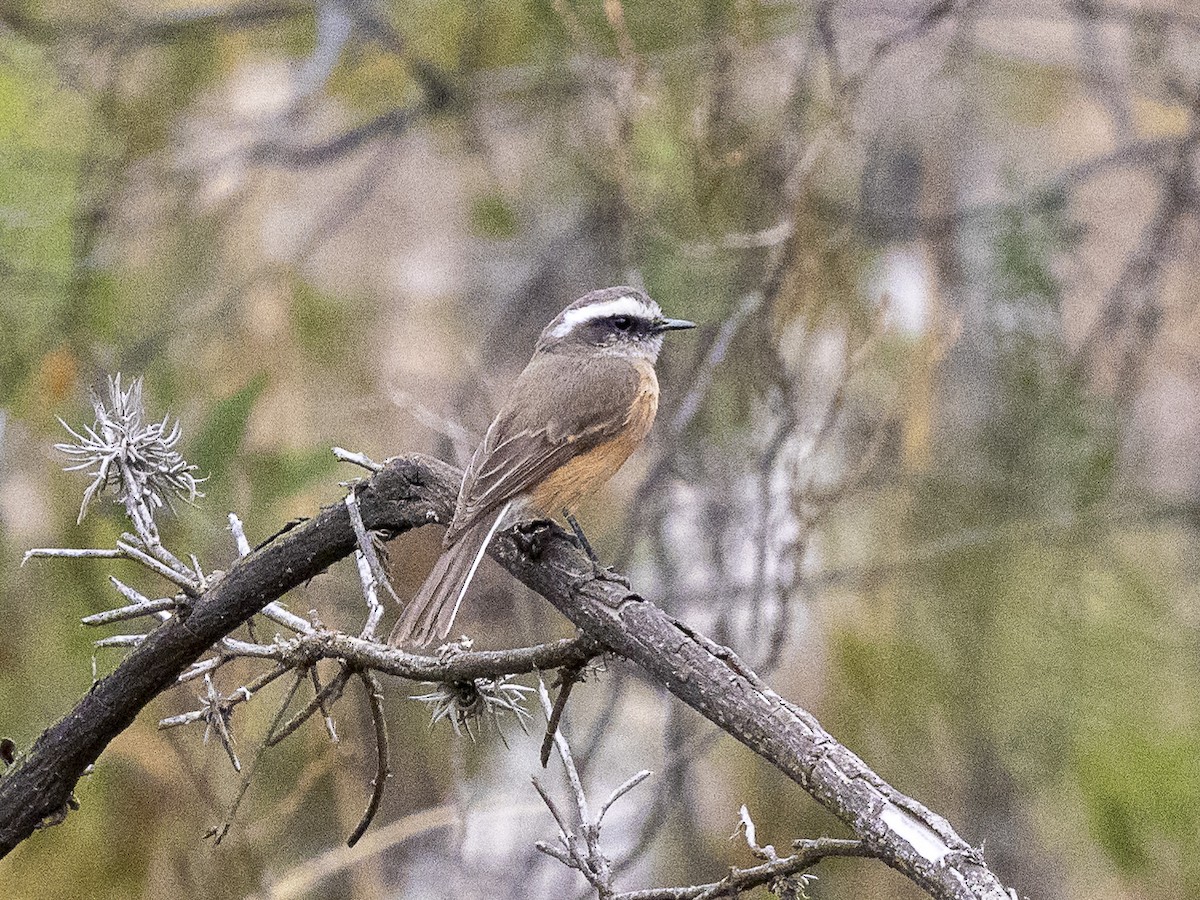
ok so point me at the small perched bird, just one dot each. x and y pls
(584, 403)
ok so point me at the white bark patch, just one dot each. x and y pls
(923, 839)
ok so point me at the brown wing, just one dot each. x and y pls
(561, 406)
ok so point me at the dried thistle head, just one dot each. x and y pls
(138, 459)
(463, 703)
(792, 887)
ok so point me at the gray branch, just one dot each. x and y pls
(808, 854)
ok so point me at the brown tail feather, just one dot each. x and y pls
(431, 611)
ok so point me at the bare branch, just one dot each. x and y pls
(374, 607)
(287, 619)
(322, 696)
(568, 677)
(366, 549)
(304, 650)
(620, 792)
(358, 459)
(392, 123)
(739, 880)
(323, 704)
(272, 611)
(217, 718)
(218, 833)
(239, 535)
(145, 607)
(67, 553)
(121, 640)
(241, 695)
(186, 582)
(564, 752)
(564, 827)
(375, 695)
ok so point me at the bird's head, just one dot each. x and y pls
(620, 321)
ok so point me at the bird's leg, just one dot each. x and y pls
(602, 571)
(584, 543)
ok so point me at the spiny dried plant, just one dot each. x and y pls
(465, 703)
(139, 459)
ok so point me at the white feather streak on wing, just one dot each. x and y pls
(622, 306)
(538, 437)
(508, 469)
(478, 559)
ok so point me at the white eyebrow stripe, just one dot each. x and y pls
(622, 306)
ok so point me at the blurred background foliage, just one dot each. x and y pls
(929, 461)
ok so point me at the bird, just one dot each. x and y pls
(584, 402)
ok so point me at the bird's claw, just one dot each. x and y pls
(532, 538)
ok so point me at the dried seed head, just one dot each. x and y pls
(464, 703)
(138, 459)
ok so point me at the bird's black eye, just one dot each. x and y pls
(623, 323)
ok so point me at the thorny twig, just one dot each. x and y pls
(366, 549)
(223, 706)
(323, 697)
(304, 650)
(139, 606)
(583, 853)
(218, 832)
